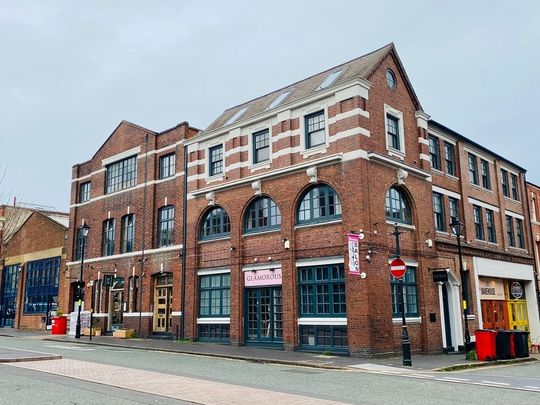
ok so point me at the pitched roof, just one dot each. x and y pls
(14, 218)
(59, 218)
(361, 67)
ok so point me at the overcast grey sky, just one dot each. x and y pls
(70, 71)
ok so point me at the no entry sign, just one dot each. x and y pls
(398, 268)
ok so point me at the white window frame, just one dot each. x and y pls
(388, 110)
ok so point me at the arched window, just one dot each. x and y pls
(263, 214)
(398, 208)
(216, 224)
(319, 204)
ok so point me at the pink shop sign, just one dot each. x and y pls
(262, 277)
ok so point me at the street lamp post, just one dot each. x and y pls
(405, 341)
(83, 230)
(457, 229)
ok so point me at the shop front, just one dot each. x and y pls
(263, 306)
(503, 304)
(506, 296)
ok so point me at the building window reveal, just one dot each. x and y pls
(392, 128)
(84, 191)
(315, 131)
(215, 295)
(121, 175)
(410, 294)
(263, 214)
(510, 231)
(434, 152)
(478, 224)
(216, 160)
(167, 166)
(454, 207)
(438, 212)
(490, 226)
(473, 169)
(107, 240)
(128, 233)
(398, 208)
(322, 291)
(319, 204)
(41, 291)
(519, 233)
(514, 185)
(484, 171)
(165, 226)
(450, 158)
(216, 224)
(504, 183)
(261, 146)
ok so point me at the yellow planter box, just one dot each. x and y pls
(124, 333)
(95, 331)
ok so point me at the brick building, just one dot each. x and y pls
(277, 183)
(130, 194)
(33, 256)
(533, 192)
(274, 187)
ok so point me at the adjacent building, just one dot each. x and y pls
(240, 232)
(32, 267)
(277, 183)
(130, 195)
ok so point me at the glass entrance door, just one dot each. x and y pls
(10, 278)
(264, 317)
(116, 306)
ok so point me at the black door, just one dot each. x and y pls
(264, 315)
(447, 328)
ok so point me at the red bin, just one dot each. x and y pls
(486, 344)
(58, 325)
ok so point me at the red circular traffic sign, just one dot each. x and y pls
(398, 268)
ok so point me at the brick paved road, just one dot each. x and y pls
(172, 386)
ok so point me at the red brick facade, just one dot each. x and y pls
(29, 237)
(356, 160)
(101, 272)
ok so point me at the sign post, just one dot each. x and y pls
(398, 269)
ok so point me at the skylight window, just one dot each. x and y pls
(279, 99)
(236, 116)
(331, 78)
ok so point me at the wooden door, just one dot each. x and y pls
(162, 309)
(494, 314)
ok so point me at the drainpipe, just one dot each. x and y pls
(143, 237)
(184, 236)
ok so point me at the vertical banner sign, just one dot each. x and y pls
(354, 254)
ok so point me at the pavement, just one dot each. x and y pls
(420, 362)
